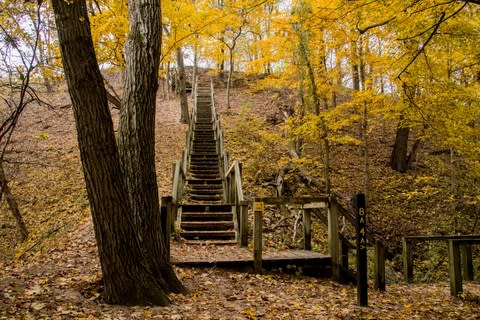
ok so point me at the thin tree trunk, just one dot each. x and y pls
(325, 144)
(366, 169)
(182, 90)
(12, 204)
(230, 74)
(195, 66)
(126, 275)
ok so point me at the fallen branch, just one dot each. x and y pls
(52, 231)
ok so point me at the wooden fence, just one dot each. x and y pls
(459, 257)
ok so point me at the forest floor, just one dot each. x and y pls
(55, 274)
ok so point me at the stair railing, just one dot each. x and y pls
(180, 166)
(340, 245)
(234, 196)
(223, 155)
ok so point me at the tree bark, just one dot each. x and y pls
(399, 156)
(137, 134)
(12, 204)
(230, 75)
(126, 275)
(182, 88)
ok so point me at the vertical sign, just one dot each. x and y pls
(361, 225)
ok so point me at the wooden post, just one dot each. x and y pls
(361, 227)
(243, 225)
(467, 262)
(454, 266)
(379, 265)
(307, 229)
(166, 221)
(407, 260)
(258, 208)
(344, 254)
(334, 240)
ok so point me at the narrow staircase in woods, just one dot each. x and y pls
(203, 214)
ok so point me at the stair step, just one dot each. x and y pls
(204, 167)
(199, 164)
(213, 171)
(206, 188)
(205, 181)
(195, 156)
(216, 193)
(204, 176)
(205, 149)
(201, 197)
(200, 235)
(205, 162)
(212, 242)
(199, 208)
(204, 145)
(207, 225)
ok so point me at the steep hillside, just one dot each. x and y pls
(55, 274)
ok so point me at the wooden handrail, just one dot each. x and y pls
(407, 254)
(234, 195)
(178, 181)
(442, 237)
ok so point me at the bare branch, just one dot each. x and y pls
(373, 26)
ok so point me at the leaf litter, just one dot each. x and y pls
(56, 273)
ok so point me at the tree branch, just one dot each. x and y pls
(422, 48)
(376, 25)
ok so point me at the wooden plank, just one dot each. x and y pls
(442, 237)
(292, 200)
(334, 241)
(315, 205)
(407, 260)
(467, 262)
(257, 241)
(379, 265)
(307, 230)
(243, 225)
(276, 259)
(454, 268)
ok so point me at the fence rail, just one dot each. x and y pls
(462, 241)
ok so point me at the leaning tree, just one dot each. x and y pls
(120, 179)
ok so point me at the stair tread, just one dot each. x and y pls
(214, 242)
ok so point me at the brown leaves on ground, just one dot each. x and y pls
(62, 283)
(56, 274)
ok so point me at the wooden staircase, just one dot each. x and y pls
(204, 215)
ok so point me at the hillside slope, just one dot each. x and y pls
(55, 274)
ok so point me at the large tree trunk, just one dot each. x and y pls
(182, 88)
(137, 133)
(126, 276)
(399, 156)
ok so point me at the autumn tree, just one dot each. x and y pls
(19, 62)
(120, 181)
